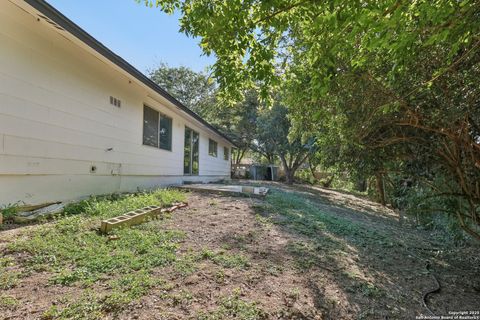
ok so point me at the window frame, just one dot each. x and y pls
(161, 116)
(213, 153)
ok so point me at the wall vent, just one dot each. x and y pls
(115, 102)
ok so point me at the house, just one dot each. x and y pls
(76, 119)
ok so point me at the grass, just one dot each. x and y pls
(233, 307)
(75, 253)
(225, 260)
(110, 276)
(9, 277)
(86, 307)
(302, 215)
(326, 236)
(8, 302)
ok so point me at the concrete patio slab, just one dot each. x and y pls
(234, 190)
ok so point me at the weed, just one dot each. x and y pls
(294, 294)
(186, 264)
(220, 276)
(181, 298)
(232, 307)
(87, 307)
(8, 302)
(263, 221)
(225, 260)
(10, 209)
(365, 288)
(274, 269)
(8, 279)
(128, 288)
(370, 290)
(6, 262)
(306, 256)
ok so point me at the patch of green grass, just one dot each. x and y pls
(263, 221)
(186, 264)
(274, 269)
(87, 307)
(8, 278)
(306, 257)
(220, 276)
(8, 302)
(116, 204)
(225, 260)
(232, 308)
(370, 290)
(364, 287)
(128, 288)
(300, 213)
(75, 252)
(181, 298)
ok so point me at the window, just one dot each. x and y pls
(212, 148)
(157, 129)
(190, 157)
(226, 153)
(165, 132)
(150, 127)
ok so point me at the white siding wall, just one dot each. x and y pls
(56, 121)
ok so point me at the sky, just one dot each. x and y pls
(141, 35)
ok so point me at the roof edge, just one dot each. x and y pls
(60, 19)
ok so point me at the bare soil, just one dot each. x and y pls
(291, 275)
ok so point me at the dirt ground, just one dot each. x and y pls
(287, 274)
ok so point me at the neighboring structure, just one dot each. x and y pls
(77, 120)
(256, 171)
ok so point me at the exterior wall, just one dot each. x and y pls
(56, 121)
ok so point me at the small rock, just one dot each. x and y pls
(113, 237)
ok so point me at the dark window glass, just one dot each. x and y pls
(157, 129)
(190, 158)
(187, 158)
(165, 133)
(226, 153)
(212, 147)
(150, 127)
(195, 143)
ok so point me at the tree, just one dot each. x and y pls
(273, 140)
(241, 125)
(194, 89)
(199, 93)
(390, 77)
(253, 40)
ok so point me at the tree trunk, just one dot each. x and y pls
(380, 188)
(313, 170)
(289, 175)
(361, 185)
(328, 183)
